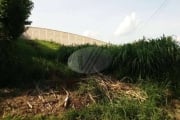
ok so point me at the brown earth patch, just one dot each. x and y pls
(56, 101)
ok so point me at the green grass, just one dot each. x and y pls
(147, 58)
(91, 86)
(32, 61)
(122, 108)
(125, 108)
(25, 62)
(155, 58)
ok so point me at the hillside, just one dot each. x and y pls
(140, 83)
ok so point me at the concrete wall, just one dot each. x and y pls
(60, 37)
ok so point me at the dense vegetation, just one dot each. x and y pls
(120, 108)
(151, 58)
(123, 108)
(153, 65)
(156, 59)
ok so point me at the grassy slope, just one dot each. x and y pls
(37, 61)
(34, 61)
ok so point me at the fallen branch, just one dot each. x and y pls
(91, 97)
(29, 105)
(66, 100)
(41, 98)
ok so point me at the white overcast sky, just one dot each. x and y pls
(115, 21)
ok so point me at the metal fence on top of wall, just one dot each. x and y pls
(60, 37)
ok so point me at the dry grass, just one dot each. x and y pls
(35, 102)
(115, 88)
(54, 102)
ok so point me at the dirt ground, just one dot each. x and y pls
(50, 101)
(34, 102)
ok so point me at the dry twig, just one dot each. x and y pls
(66, 100)
(29, 105)
(91, 97)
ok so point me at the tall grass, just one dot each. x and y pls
(31, 61)
(147, 58)
(151, 58)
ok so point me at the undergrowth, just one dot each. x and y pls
(123, 108)
(25, 62)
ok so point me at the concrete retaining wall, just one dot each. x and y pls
(60, 37)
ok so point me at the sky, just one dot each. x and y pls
(114, 21)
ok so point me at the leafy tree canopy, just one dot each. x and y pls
(13, 18)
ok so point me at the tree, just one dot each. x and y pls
(13, 18)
